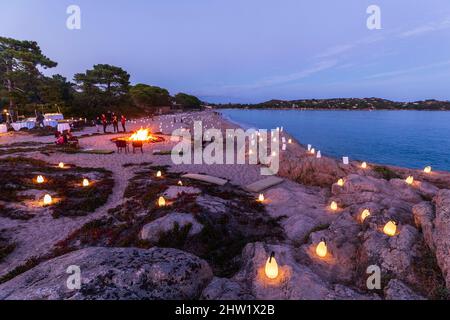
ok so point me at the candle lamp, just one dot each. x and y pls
(365, 214)
(271, 268)
(333, 206)
(321, 249)
(161, 202)
(261, 197)
(48, 200)
(410, 180)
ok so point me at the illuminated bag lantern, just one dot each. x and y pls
(271, 268)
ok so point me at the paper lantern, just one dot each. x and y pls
(61, 165)
(340, 182)
(364, 165)
(410, 180)
(365, 214)
(333, 206)
(85, 182)
(271, 268)
(158, 174)
(261, 197)
(161, 202)
(40, 179)
(427, 169)
(180, 183)
(48, 200)
(321, 249)
(290, 141)
(313, 151)
(390, 228)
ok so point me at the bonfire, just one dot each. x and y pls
(142, 135)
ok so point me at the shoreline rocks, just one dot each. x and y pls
(114, 273)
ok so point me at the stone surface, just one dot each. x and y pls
(397, 290)
(114, 273)
(225, 289)
(174, 191)
(309, 170)
(441, 233)
(424, 217)
(153, 230)
(295, 281)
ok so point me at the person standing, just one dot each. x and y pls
(98, 123)
(115, 123)
(123, 120)
(40, 119)
(104, 122)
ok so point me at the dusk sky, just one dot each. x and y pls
(250, 50)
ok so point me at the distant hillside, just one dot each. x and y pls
(343, 103)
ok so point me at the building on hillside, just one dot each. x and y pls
(163, 109)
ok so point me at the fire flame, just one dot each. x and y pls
(141, 135)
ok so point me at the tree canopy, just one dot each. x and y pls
(187, 101)
(19, 70)
(150, 96)
(103, 88)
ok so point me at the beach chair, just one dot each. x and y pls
(122, 145)
(137, 145)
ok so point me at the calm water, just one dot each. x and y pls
(411, 139)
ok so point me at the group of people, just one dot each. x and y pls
(113, 119)
(66, 138)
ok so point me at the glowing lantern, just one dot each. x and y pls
(161, 202)
(313, 151)
(261, 197)
(271, 267)
(410, 180)
(321, 249)
(159, 174)
(365, 214)
(340, 182)
(274, 154)
(180, 183)
(364, 165)
(85, 183)
(47, 199)
(61, 165)
(290, 141)
(40, 179)
(333, 206)
(427, 169)
(390, 228)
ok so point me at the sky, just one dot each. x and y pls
(250, 51)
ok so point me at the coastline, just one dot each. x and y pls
(298, 208)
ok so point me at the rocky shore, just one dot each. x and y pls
(212, 242)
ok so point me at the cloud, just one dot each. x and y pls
(270, 81)
(336, 50)
(395, 73)
(426, 28)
